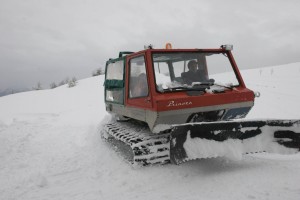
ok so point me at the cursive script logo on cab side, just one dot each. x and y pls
(174, 104)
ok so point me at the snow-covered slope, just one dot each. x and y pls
(50, 148)
(279, 87)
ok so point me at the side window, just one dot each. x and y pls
(114, 83)
(138, 85)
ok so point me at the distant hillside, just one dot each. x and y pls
(9, 91)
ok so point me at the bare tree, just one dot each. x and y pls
(61, 83)
(72, 82)
(38, 86)
(98, 72)
(53, 85)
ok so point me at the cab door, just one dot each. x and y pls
(138, 91)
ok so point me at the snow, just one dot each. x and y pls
(50, 148)
(233, 148)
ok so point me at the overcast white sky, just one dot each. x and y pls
(48, 40)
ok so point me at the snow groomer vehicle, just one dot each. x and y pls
(175, 105)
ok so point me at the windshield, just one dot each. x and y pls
(184, 69)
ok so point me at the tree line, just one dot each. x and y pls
(70, 82)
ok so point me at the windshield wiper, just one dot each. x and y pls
(197, 87)
(211, 82)
(174, 88)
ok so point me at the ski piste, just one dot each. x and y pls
(191, 141)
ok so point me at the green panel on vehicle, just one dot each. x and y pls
(113, 83)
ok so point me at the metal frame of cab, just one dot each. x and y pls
(174, 107)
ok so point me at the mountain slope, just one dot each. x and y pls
(50, 148)
(9, 91)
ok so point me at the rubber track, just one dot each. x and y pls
(146, 148)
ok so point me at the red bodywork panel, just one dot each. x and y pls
(157, 101)
(180, 100)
